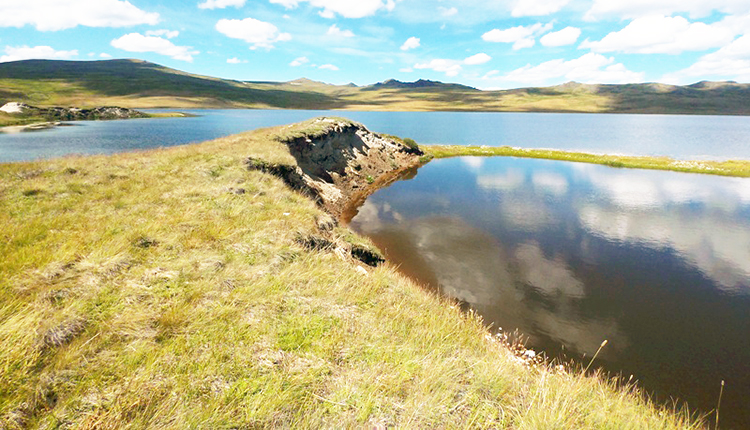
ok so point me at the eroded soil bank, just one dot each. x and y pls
(340, 162)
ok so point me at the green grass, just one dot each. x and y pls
(739, 168)
(168, 289)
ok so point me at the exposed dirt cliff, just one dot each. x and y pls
(340, 162)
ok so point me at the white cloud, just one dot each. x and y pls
(136, 42)
(449, 67)
(328, 67)
(104, 55)
(257, 33)
(659, 34)
(447, 12)
(335, 31)
(17, 53)
(480, 58)
(345, 8)
(406, 70)
(537, 7)
(221, 4)
(166, 33)
(235, 60)
(566, 36)
(411, 43)
(628, 9)
(589, 68)
(731, 61)
(453, 67)
(520, 36)
(299, 61)
(54, 15)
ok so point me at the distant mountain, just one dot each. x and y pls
(140, 84)
(422, 83)
(136, 83)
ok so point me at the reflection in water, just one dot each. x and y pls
(657, 263)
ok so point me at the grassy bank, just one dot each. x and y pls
(168, 288)
(739, 168)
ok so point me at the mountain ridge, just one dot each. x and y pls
(141, 84)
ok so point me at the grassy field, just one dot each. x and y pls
(739, 168)
(170, 289)
(139, 84)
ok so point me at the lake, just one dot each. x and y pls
(569, 254)
(683, 137)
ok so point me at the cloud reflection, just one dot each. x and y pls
(714, 239)
(470, 265)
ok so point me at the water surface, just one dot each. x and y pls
(657, 263)
(683, 137)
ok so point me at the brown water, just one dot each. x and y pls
(657, 263)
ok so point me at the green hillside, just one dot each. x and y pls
(140, 84)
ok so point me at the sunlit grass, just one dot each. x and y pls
(740, 168)
(168, 288)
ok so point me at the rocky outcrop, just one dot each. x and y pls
(339, 162)
(72, 113)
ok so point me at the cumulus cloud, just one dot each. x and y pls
(480, 58)
(537, 7)
(104, 55)
(629, 9)
(566, 36)
(221, 4)
(731, 61)
(453, 67)
(235, 60)
(589, 68)
(347, 9)
(449, 67)
(520, 36)
(257, 33)
(299, 61)
(411, 43)
(166, 33)
(54, 15)
(335, 31)
(17, 53)
(136, 42)
(660, 34)
(329, 67)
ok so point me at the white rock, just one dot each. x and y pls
(13, 107)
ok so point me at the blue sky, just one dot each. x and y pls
(488, 44)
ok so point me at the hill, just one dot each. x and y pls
(421, 83)
(140, 84)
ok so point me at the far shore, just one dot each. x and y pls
(736, 168)
(18, 126)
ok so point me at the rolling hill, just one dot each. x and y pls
(140, 84)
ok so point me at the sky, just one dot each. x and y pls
(487, 44)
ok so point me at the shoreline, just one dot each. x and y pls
(30, 127)
(731, 168)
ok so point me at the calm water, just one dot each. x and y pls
(685, 137)
(657, 263)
